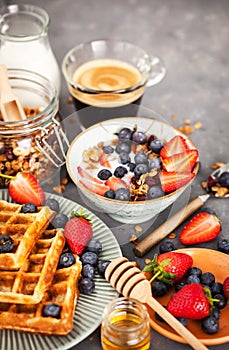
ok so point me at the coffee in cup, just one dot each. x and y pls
(109, 76)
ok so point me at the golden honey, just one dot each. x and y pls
(125, 326)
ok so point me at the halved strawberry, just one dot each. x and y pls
(24, 188)
(184, 161)
(104, 160)
(115, 183)
(226, 287)
(176, 145)
(83, 173)
(170, 181)
(190, 302)
(203, 227)
(94, 186)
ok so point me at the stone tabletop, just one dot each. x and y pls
(192, 39)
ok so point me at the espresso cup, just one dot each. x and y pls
(109, 76)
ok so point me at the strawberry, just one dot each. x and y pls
(95, 187)
(192, 301)
(103, 159)
(203, 227)
(78, 231)
(171, 180)
(176, 145)
(24, 188)
(184, 161)
(83, 173)
(226, 287)
(169, 267)
(115, 183)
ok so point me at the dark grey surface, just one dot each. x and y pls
(192, 39)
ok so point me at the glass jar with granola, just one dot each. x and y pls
(36, 144)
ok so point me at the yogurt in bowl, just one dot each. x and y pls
(132, 177)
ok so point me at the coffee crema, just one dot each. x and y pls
(106, 77)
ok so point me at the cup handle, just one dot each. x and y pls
(157, 71)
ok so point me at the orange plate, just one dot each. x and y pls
(208, 260)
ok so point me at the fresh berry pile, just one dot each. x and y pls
(196, 295)
(78, 233)
(136, 166)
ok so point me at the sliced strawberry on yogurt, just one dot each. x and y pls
(176, 145)
(115, 183)
(84, 174)
(184, 161)
(104, 160)
(98, 188)
(171, 181)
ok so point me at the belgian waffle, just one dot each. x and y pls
(29, 283)
(29, 317)
(24, 229)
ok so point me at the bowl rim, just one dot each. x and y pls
(148, 201)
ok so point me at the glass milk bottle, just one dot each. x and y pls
(24, 41)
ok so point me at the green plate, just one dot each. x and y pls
(89, 308)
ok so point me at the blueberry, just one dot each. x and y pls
(109, 194)
(217, 288)
(158, 317)
(28, 208)
(122, 194)
(193, 279)
(210, 325)
(51, 310)
(156, 146)
(124, 158)
(141, 169)
(152, 180)
(159, 289)
(94, 246)
(141, 158)
(104, 174)
(139, 137)
(154, 192)
(155, 163)
(120, 171)
(66, 260)
(224, 179)
(125, 134)
(194, 271)
(223, 245)
(60, 220)
(108, 149)
(88, 271)
(53, 204)
(215, 312)
(179, 285)
(183, 321)
(89, 258)
(86, 286)
(222, 301)
(131, 166)
(207, 278)
(123, 147)
(6, 244)
(101, 267)
(166, 246)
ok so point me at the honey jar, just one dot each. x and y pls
(36, 144)
(125, 325)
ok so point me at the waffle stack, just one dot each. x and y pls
(29, 274)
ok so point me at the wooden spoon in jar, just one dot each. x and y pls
(129, 281)
(11, 108)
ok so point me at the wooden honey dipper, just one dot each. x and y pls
(129, 281)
